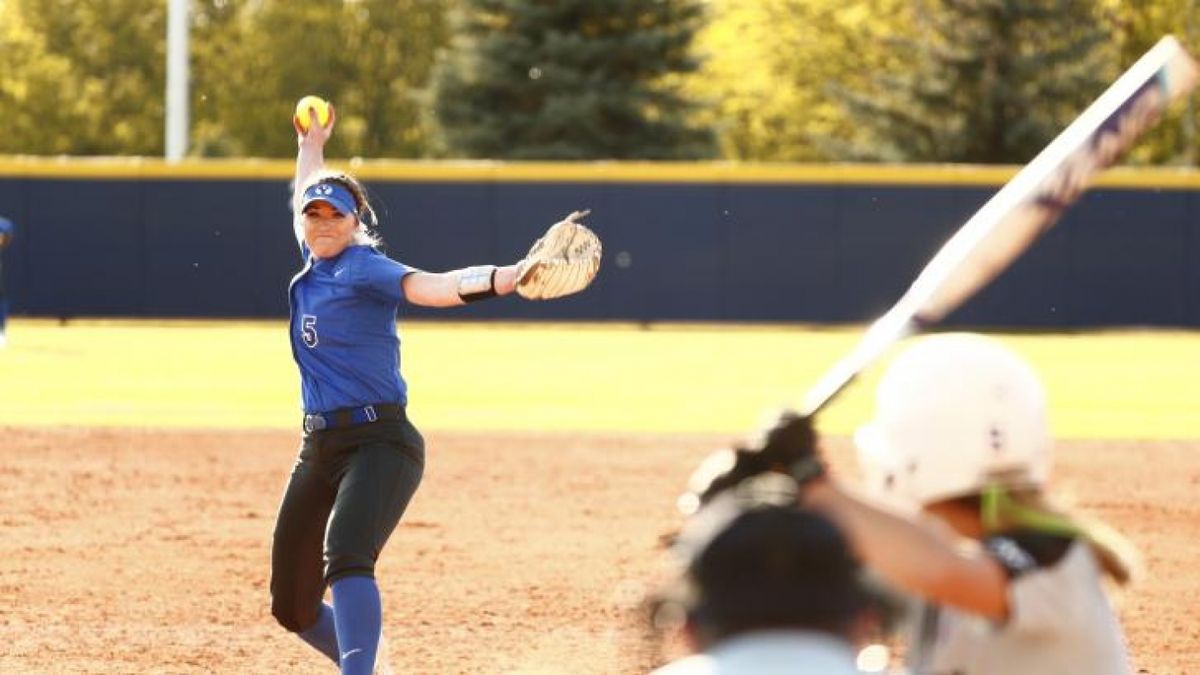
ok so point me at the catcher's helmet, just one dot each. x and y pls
(955, 413)
(777, 566)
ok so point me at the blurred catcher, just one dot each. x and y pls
(361, 458)
(1012, 583)
(771, 587)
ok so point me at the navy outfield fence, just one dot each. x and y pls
(688, 242)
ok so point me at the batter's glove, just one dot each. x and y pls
(788, 446)
(561, 262)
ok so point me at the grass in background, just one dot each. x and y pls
(588, 377)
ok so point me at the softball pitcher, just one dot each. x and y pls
(361, 458)
(1012, 583)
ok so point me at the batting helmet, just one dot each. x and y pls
(955, 413)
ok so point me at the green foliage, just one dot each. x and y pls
(771, 80)
(82, 77)
(985, 81)
(571, 79)
(771, 64)
(1138, 25)
(85, 77)
(369, 57)
(399, 44)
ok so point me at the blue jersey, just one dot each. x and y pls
(343, 329)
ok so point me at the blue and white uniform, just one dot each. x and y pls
(361, 459)
(343, 330)
(6, 234)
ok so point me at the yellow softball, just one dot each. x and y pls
(316, 103)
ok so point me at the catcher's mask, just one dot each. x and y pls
(954, 414)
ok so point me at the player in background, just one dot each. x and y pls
(361, 459)
(6, 235)
(1013, 584)
(770, 587)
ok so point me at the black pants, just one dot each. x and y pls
(345, 496)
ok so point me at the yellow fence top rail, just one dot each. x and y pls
(450, 171)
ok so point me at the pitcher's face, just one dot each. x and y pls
(328, 231)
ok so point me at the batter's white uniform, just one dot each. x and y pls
(770, 652)
(1060, 621)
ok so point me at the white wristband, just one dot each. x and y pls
(477, 283)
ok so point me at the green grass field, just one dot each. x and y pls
(589, 377)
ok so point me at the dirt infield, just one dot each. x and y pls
(139, 551)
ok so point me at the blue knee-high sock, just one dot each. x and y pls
(323, 634)
(358, 611)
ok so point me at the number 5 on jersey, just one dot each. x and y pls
(308, 329)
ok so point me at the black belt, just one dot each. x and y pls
(348, 417)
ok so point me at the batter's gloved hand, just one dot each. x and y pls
(561, 262)
(788, 445)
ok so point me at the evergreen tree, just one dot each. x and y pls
(988, 81)
(571, 79)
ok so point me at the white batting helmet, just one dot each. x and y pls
(955, 413)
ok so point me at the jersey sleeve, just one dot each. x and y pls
(380, 276)
(1042, 596)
